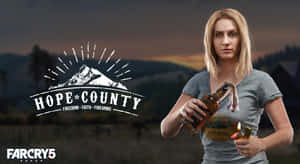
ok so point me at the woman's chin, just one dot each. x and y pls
(226, 56)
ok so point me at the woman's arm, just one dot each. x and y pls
(283, 134)
(171, 124)
(185, 108)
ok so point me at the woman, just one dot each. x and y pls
(228, 59)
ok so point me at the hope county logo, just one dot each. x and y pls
(88, 88)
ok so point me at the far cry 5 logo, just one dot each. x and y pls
(88, 89)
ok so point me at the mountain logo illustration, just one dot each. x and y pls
(88, 89)
(90, 76)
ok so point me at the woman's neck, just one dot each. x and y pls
(227, 70)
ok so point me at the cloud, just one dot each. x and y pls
(195, 61)
(137, 28)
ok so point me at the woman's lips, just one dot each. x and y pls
(227, 50)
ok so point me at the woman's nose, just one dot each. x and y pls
(226, 39)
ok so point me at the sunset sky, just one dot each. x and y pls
(167, 30)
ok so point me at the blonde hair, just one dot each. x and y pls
(244, 65)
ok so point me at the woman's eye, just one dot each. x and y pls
(218, 34)
(233, 34)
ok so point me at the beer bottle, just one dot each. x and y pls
(212, 103)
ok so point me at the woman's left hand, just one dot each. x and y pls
(249, 147)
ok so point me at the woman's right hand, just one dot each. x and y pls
(192, 108)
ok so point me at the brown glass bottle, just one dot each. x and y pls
(212, 103)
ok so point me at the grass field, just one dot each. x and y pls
(119, 144)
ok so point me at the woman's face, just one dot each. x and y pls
(226, 39)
